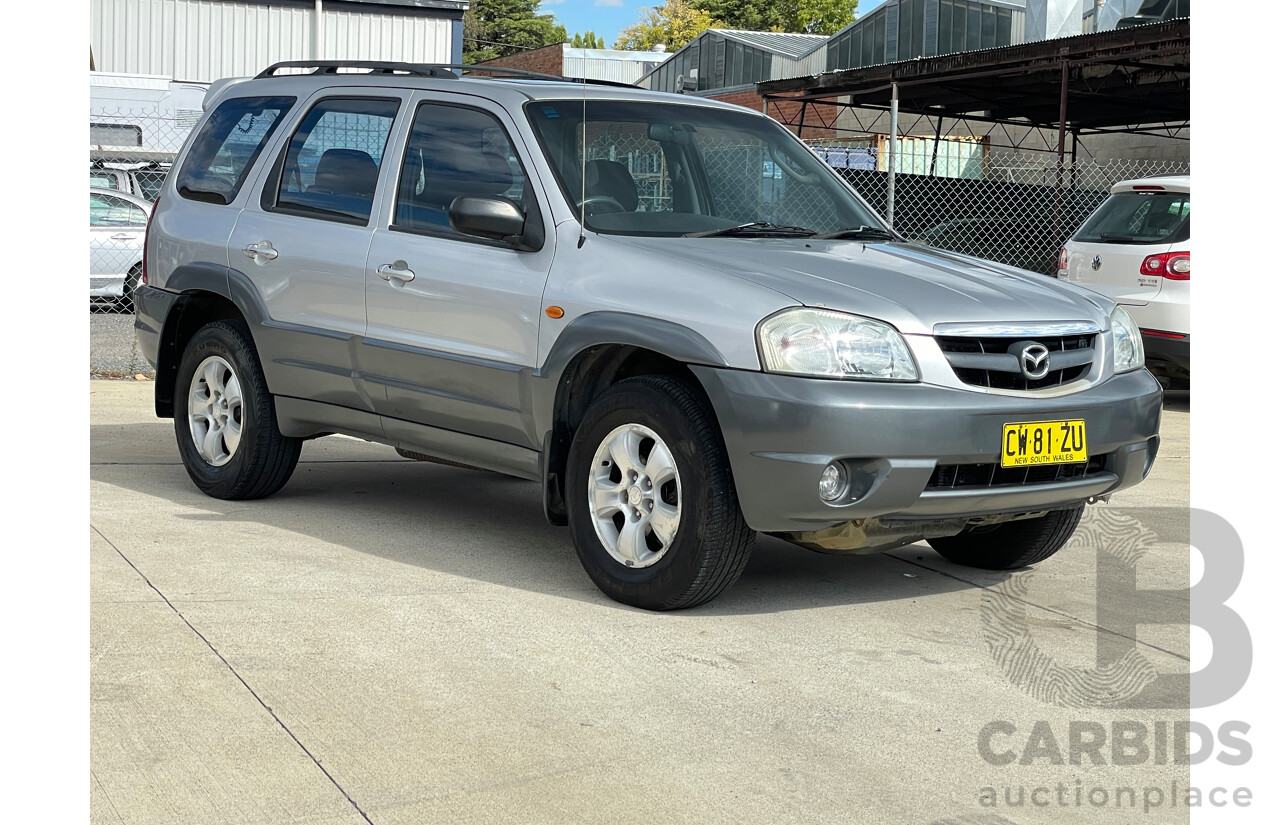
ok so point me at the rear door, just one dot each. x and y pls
(304, 242)
(1107, 252)
(116, 229)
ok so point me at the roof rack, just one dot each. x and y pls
(448, 71)
(374, 67)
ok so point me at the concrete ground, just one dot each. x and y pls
(388, 641)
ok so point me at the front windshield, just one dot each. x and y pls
(660, 169)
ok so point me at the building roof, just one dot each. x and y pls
(1116, 81)
(785, 44)
(452, 5)
(615, 54)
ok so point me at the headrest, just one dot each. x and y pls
(608, 177)
(349, 171)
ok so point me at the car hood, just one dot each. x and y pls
(908, 285)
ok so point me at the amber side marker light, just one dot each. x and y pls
(554, 312)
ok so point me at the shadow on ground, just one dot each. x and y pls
(484, 526)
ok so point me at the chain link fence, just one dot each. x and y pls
(130, 152)
(1014, 208)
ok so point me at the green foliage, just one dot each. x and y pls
(588, 40)
(497, 28)
(673, 24)
(805, 16)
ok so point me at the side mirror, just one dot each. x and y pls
(498, 219)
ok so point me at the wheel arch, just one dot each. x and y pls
(206, 293)
(593, 353)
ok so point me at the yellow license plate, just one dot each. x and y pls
(1028, 444)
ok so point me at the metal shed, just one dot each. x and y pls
(905, 29)
(726, 58)
(204, 40)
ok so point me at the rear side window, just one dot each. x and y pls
(228, 145)
(331, 165)
(1140, 218)
(107, 211)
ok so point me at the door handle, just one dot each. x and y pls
(123, 237)
(261, 251)
(399, 270)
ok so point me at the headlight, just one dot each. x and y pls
(829, 344)
(1126, 342)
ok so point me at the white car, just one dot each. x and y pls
(1136, 249)
(117, 228)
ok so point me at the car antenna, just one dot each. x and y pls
(582, 204)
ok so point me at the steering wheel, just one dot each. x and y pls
(784, 164)
(601, 200)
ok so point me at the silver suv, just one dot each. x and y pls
(667, 311)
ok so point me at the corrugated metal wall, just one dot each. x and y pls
(203, 41)
(813, 63)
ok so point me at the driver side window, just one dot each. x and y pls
(453, 152)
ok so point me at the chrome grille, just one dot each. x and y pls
(995, 361)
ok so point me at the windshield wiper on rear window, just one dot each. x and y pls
(755, 228)
(858, 233)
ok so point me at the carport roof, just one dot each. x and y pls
(1115, 81)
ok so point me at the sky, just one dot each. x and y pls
(607, 17)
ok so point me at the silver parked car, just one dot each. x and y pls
(117, 224)
(666, 311)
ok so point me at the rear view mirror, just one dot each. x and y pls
(666, 133)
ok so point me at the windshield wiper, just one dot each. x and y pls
(857, 233)
(760, 228)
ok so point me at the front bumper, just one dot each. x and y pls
(781, 431)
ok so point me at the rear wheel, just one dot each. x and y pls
(650, 496)
(227, 433)
(1010, 545)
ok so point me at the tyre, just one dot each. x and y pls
(130, 287)
(225, 420)
(1010, 545)
(652, 507)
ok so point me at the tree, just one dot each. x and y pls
(673, 24)
(497, 28)
(805, 16)
(819, 16)
(589, 40)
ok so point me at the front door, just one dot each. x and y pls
(453, 319)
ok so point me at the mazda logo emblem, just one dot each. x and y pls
(1034, 361)
(1097, 262)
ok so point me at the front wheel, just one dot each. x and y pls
(650, 496)
(130, 288)
(225, 422)
(1013, 544)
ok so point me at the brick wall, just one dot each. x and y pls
(548, 60)
(784, 111)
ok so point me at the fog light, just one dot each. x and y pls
(833, 483)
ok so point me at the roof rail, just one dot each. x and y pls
(528, 75)
(449, 71)
(374, 67)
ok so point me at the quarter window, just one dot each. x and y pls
(331, 165)
(228, 145)
(454, 152)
